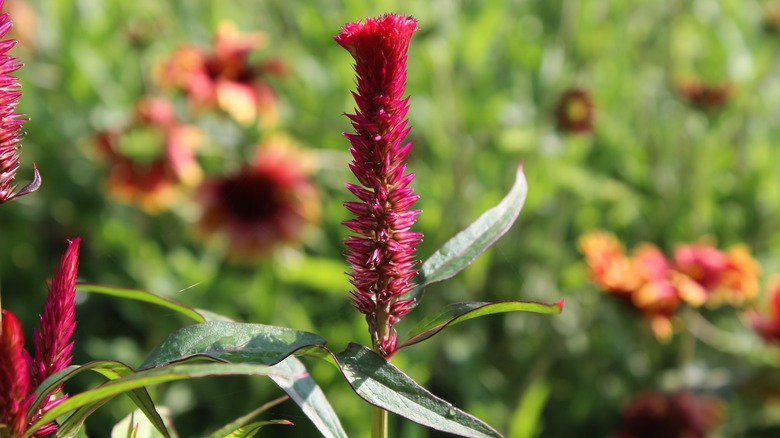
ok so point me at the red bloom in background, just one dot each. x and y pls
(703, 95)
(381, 255)
(768, 325)
(10, 121)
(152, 159)
(267, 203)
(677, 415)
(22, 373)
(656, 286)
(226, 78)
(574, 111)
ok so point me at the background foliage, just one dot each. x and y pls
(484, 78)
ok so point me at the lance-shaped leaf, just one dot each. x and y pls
(383, 385)
(462, 249)
(149, 377)
(140, 295)
(459, 312)
(110, 369)
(303, 389)
(309, 396)
(231, 342)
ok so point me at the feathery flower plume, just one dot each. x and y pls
(10, 121)
(14, 376)
(22, 373)
(382, 254)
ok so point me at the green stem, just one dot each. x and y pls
(378, 423)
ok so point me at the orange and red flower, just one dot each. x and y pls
(656, 286)
(262, 205)
(226, 78)
(152, 159)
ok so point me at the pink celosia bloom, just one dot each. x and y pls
(226, 78)
(681, 414)
(267, 203)
(22, 373)
(382, 256)
(152, 159)
(14, 376)
(10, 121)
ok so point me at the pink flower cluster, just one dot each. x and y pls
(697, 274)
(382, 254)
(20, 372)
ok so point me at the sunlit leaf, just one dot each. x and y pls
(305, 392)
(461, 250)
(150, 377)
(459, 312)
(231, 342)
(383, 385)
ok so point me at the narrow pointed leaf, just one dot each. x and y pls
(144, 296)
(114, 370)
(231, 342)
(383, 385)
(243, 422)
(150, 377)
(305, 392)
(459, 312)
(462, 249)
(134, 425)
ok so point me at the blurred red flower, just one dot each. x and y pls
(768, 324)
(225, 78)
(574, 111)
(264, 204)
(676, 415)
(703, 95)
(153, 158)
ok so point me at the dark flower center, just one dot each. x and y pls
(252, 197)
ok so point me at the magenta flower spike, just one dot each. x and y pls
(382, 254)
(10, 121)
(52, 342)
(14, 376)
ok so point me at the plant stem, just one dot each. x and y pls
(378, 423)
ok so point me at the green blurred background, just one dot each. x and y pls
(484, 78)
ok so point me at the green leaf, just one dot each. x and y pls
(383, 385)
(139, 295)
(462, 249)
(112, 370)
(459, 312)
(305, 392)
(231, 342)
(150, 377)
(241, 426)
